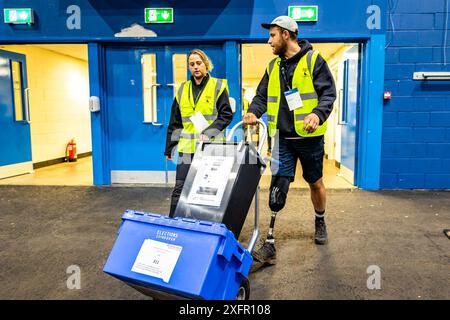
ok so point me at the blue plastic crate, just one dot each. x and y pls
(210, 262)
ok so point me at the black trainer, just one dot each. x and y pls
(321, 232)
(264, 256)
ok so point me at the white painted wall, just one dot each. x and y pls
(333, 135)
(59, 100)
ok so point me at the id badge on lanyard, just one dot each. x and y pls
(292, 96)
(293, 99)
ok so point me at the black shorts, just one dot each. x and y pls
(309, 151)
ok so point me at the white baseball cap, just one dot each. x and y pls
(284, 22)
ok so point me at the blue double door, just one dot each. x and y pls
(140, 85)
(15, 137)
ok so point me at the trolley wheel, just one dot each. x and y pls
(244, 290)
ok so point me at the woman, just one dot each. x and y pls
(201, 94)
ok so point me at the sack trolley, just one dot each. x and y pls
(196, 255)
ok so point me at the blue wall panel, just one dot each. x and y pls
(446, 165)
(392, 55)
(437, 181)
(399, 71)
(413, 21)
(397, 134)
(389, 181)
(439, 119)
(193, 19)
(439, 20)
(396, 165)
(439, 150)
(423, 55)
(415, 121)
(417, 6)
(223, 22)
(429, 134)
(416, 41)
(411, 181)
(390, 119)
(434, 104)
(403, 38)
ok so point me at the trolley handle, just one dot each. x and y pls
(255, 233)
(263, 136)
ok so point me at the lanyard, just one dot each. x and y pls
(283, 73)
(198, 95)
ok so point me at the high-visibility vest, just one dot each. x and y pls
(245, 105)
(206, 104)
(303, 81)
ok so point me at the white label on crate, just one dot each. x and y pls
(210, 181)
(157, 259)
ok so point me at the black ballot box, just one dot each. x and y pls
(221, 183)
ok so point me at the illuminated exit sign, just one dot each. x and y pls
(18, 16)
(304, 13)
(158, 15)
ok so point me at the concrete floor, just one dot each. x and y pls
(44, 230)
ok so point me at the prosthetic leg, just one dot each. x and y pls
(266, 255)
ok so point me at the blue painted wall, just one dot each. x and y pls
(416, 122)
(193, 19)
(222, 22)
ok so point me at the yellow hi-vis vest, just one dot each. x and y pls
(206, 104)
(245, 105)
(303, 81)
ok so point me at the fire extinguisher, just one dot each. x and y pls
(71, 151)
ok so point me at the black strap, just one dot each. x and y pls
(283, 74)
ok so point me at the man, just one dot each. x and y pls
(297, 91)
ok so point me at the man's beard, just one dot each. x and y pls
(282, 49)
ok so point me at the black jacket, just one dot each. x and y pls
(224, 116)
(323, 85)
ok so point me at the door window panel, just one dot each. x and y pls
(16, 68)
(179, 63)
(149, 87)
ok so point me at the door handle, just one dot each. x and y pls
(154, 123)
(27, 105)
(341, 104)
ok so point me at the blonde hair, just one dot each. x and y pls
(208, 63)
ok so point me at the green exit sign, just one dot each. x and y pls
(158, 15)
(304, 13)
(18, 16)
